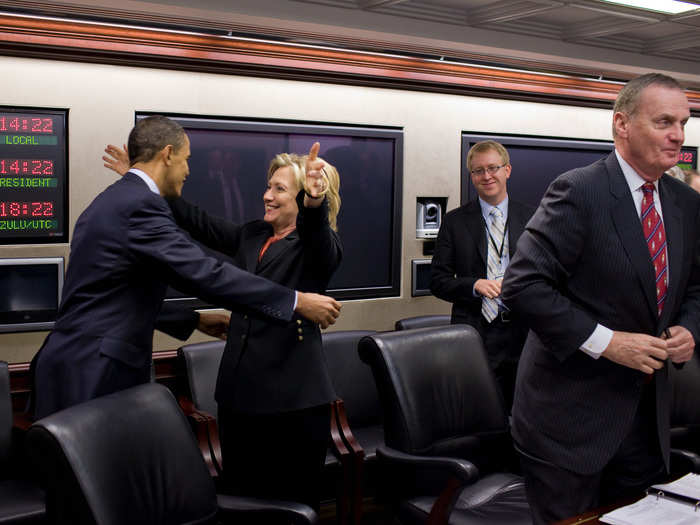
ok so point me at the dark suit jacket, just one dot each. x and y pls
(126, 249)
(460, 260)
(583, 260)
(272, 366)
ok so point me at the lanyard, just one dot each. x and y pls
(499, 251)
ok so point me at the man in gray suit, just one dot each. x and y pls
(607, 277)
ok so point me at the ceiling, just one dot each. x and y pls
(586, 37)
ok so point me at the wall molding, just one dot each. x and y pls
(36, 37)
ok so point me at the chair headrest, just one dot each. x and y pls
(133, 456)
(422, 321)
(202, 362)
(352, 379)
(685, 388)
(435, 385)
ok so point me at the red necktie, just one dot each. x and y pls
(655, 235)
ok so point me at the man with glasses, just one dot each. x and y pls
(474, 247)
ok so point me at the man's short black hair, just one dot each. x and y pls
(152, 134)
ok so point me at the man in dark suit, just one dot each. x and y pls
(126, 249)
(474, 246)
(607, 276)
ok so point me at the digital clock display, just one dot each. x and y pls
(33, 182)
(17, 123)
(26, 166)
(688, 158)
(26, 209)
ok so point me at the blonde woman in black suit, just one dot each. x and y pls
(273, 386)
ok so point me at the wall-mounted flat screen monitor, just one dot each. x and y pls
(228, 176)
(420, 277)
(537, 161)
(33, 176)
(30, 293)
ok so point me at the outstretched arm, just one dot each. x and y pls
(116, 159)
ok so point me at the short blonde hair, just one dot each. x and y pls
(483, 147)
(298, 165)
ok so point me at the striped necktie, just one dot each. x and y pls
(655, 235)
(489, 307)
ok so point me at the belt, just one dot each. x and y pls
(503, 316)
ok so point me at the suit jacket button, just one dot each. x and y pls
(298, 321)
(300, 330)
(301, 338)
(245, 316)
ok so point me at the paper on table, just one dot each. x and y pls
(688, 486)
(653, 510)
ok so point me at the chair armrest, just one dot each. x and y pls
(685, 460)
(442, 476)
(349, 501)
(338, 445)
(236, 509)
(206, 431)
(345, 431)
(461, 469)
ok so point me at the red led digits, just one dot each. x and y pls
(13, 123)
(26, 209)
(685, 156)
(26, 167)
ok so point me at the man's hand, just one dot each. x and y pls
(214, 324)
(116, 159)
(680, 345)
(320, 309)
(490, 288)
(316, 183)
(639, 351)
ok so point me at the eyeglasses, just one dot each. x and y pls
(491, 170)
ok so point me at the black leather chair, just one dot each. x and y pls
(358, 411)
(685, 416)
(21, 500)
(130, 457)
(447, 436)
(422, 321)
(201, 368)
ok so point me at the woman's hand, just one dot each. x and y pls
(316, 183)
(214, 324)
(116, 159)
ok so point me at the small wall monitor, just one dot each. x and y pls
(30, 293)
(420, 277)
(33, 181)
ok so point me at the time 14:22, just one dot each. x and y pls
(26, 167)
